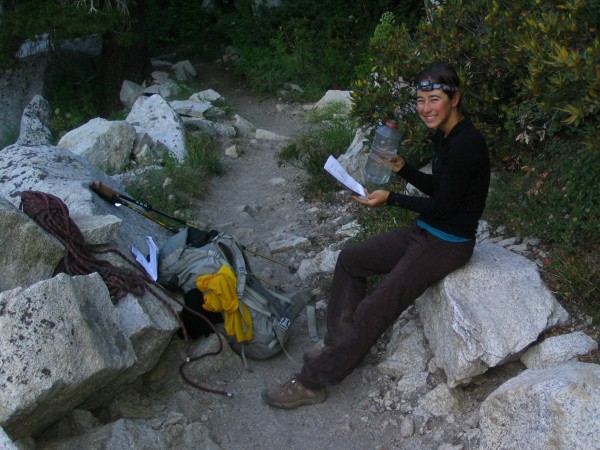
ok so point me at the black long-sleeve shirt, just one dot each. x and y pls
(458, 186)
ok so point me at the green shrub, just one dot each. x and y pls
(384, 30)
(74, 100)
(556, 198)
(513, 80)
(314, 44)
(317, 59)
(562, 70)
(175, 187)
(330, 133)
(185, 26)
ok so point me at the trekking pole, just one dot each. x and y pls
(113, 197)
(291, 269)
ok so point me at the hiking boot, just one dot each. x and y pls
(292, 394)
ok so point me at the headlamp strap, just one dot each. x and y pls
(428, 85)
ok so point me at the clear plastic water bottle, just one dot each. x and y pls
(385, 145)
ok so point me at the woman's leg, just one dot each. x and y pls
(426, 260)
(376, 255)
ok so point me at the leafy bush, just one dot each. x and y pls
(185, 25)
(301, 52)
(531, 81)
(331, 133)
(314, 44)
(513, 80)
(557, 198)
(74, 101)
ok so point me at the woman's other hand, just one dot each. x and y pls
(398, 163)
(374, 198)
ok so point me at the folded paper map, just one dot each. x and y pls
(335, 169)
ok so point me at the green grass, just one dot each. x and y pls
(174, 187)
(556, 199)
(74, 99)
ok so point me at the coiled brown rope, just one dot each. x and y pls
(49, 212)
(52, 214)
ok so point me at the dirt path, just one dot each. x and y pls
(260, 202)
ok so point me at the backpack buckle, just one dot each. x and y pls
(283, 324)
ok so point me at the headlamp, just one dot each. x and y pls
(428, 85)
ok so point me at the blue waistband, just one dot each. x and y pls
(441, 234)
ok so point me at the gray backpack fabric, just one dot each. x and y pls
(180, 263)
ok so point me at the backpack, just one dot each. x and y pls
(192, 253)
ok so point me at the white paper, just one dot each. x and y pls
(149, 264)
(339, 173)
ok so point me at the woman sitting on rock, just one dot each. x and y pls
(413, 257)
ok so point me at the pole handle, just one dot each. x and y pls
(105, 192)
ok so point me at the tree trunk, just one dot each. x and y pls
(119, 62)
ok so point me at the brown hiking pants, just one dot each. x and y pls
(413, 260)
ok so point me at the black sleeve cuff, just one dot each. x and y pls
(392, 199)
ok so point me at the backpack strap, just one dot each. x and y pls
(275, 301)
(312, 322)
(232, 251)
(276, 307)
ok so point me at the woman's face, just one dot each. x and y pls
(437, 110)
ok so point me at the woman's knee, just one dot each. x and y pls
(349, 258)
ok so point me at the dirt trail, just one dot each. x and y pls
(257, 201)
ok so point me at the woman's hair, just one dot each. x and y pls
(443, 74)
